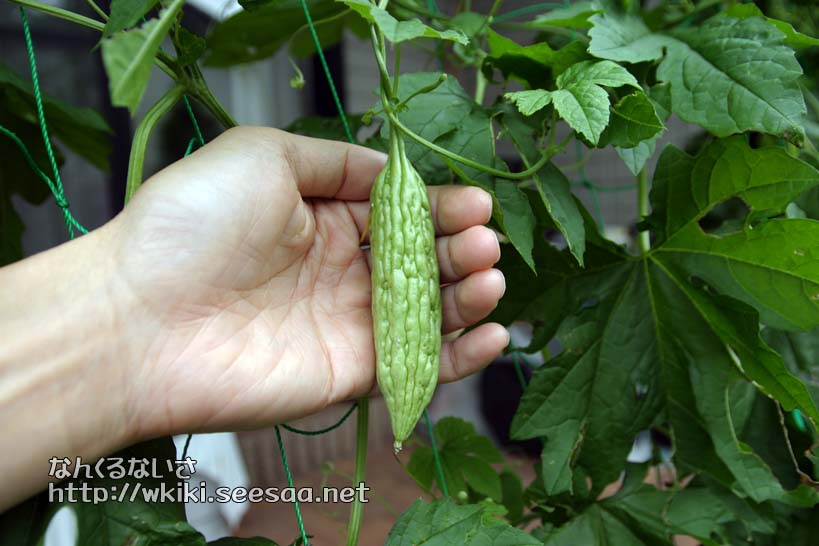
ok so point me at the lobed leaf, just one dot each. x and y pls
(727, 75)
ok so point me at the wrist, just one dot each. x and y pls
(63, 388)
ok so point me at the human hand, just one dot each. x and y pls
(248, 293)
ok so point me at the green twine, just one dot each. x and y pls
(329, 76)
(56, 186)
(324, 430)
(200, 139)
(290, 484)
(61, 202)
(435, 455)
(191, 143)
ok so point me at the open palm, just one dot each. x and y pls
(254, 289)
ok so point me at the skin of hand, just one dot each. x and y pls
(233, 292)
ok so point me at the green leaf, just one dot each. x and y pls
(536, 64)
(512, 495)
(686, 188)
(585, 108)
(694, 511)
(433, 115)
(792, 37)
(594, 526)
(636, 158)
(567, 400)
(26, 523)
(137, 522)
(716, 56)
(468, 23)
(634, 120)
(466, 457)
(580, 98)
(770, 266)
(514, 214)
(421, 467)
(82, 130)
(530, 101)
(401, 31)
(191, 47)
(252, 35)
(448, 116)
(551, 184)
(624, 38)
(602, 73)
(620, 330)
(125, 14)
(559, 284)
(443, 523)
(128, 57)
(707, 67)
(574, 16)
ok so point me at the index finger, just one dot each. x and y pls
(327, 168)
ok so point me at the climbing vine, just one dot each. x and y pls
(702, 336)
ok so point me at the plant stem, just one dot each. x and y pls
(396, 70)
(426, 89)
(382, 65)
(480, 86)
(460, 159)
(489, 16)
(60, 13)
(136, 161)
(201, 91)
(387, 98)
(643, 240)
(93, 5)
(319, 22)
(362, 424)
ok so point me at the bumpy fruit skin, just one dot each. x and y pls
(406, 296)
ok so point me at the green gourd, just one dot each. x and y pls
(406, 293)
